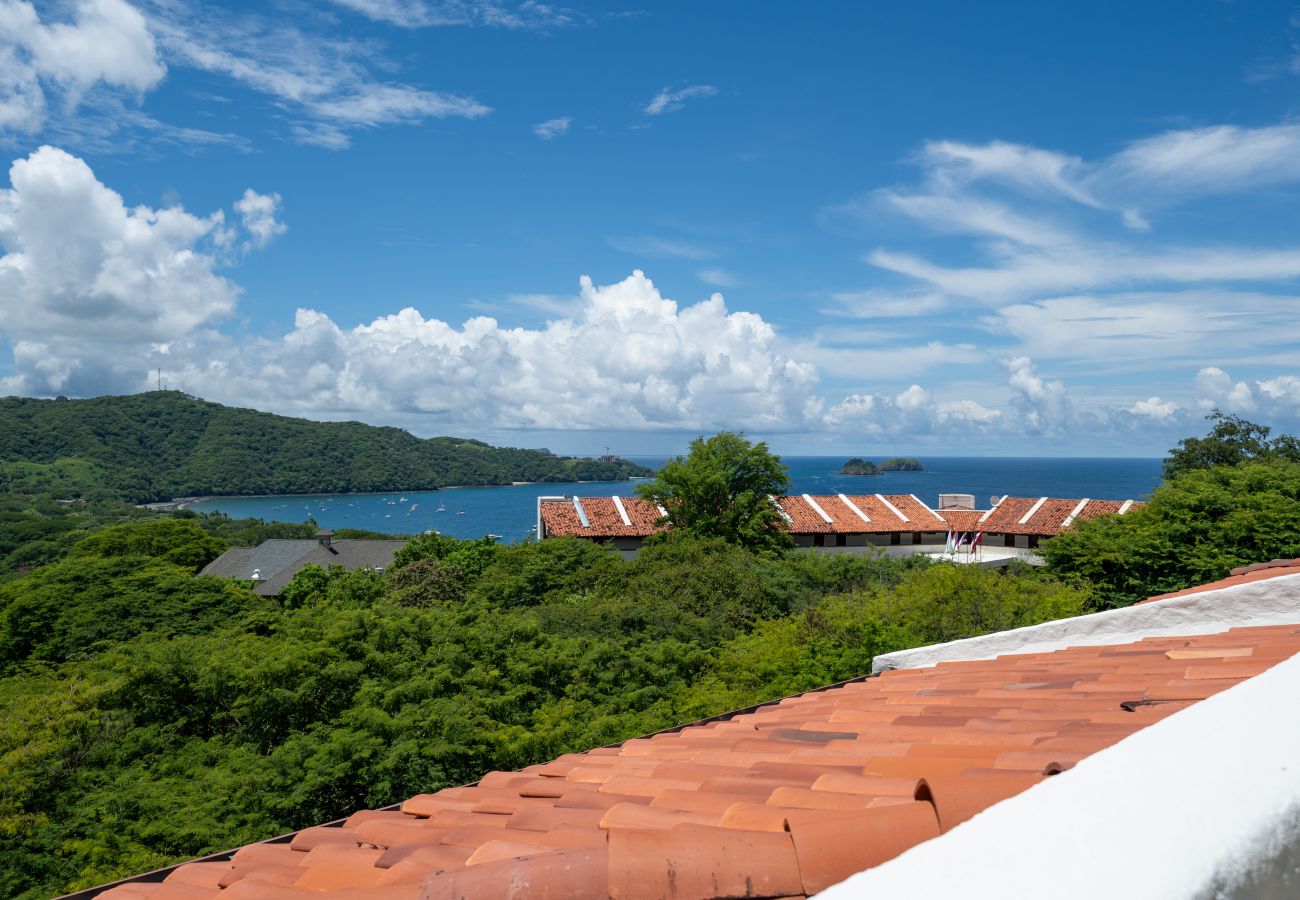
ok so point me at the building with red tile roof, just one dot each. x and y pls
(929, 758)
(900, 524)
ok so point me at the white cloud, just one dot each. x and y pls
(553, 128)
(1276, 398)
(1154, 408)
(1215, 388)
(422, 14)
(106, 42)
(88, 285)
(1129, 328)
(719, 278)
(648, 245)
(258, 214)
(328, 82)
(1041, 406)
(1206, 160)
(627, 358)
(912, 411)
(669, 100)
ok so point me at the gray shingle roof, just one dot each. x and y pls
(277, 561)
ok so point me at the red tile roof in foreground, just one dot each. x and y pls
(1240, 575)
(808, 514)
(781, 801)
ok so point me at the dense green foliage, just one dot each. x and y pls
(723, 488)
(901, 464)
(148, 716)
(857, 466)
(1231, 441)
(164, 444)
(1230, 498)
(1198, 526)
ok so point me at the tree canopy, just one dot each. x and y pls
(1232, 440)
(723, 488)
(1229, 499)
(149, 716)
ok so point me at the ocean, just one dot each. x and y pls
(510, 512)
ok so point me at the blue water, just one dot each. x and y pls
(511, 511)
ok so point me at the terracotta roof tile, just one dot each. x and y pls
(1241, 575)
(835, 514)
(783, 800)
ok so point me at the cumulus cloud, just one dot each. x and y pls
(106, 42)
(88, 285)
(1041, 405)
(669, 100)
(553, 128)
(1275, 399)
(1154, 408)
(258, 214)
(627, 358)
(912, 411)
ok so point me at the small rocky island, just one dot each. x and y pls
(858, 466)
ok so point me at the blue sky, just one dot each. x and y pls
(1021, 229)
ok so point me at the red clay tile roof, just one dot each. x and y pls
(560, 517)
(781, 801)
(1240, 575)
(1045, 516)
(808, 514)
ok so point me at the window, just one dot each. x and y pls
(896, 538)
(841, 540)
(916, 537)
(1008, 540)
(819, 540)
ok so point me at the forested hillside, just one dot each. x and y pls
(165, 444)
(149, 716)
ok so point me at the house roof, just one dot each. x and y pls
(597, 517)
(783, 800)
(1240, 575)
(278, 560)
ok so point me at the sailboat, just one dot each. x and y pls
(440, 508)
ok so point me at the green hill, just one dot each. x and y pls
(164, 444)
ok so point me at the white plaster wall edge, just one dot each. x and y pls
(1269, 601)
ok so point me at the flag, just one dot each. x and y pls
(978, 537)
(948, 546)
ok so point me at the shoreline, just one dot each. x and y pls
(177, 503)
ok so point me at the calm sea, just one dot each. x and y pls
(511, 511)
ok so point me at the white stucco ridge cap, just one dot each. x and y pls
(1270, 601)
(1199, 800)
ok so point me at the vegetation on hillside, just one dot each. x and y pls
(857, 466)
(1232, 498)
(164, 444)
(148, 716)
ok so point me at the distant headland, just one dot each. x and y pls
(858, 466)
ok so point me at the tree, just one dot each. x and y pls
(1198, 526)
(1231, 441)
(723, 488)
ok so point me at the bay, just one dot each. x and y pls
(510, 512)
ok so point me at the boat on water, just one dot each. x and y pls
(440, 508)
(460, 512)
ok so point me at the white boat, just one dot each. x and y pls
(460, 512)
(440, 508)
